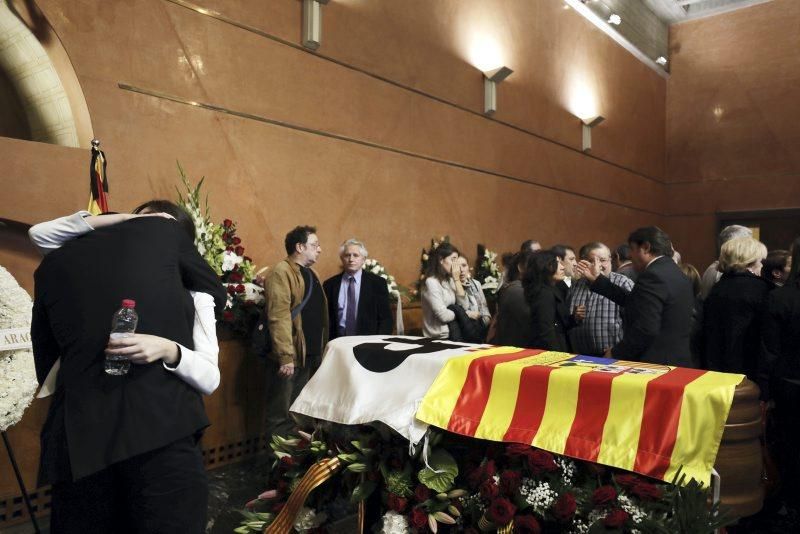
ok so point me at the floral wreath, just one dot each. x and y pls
(17, 370)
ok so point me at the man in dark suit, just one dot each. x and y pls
(358, 300)
(658, 311)
(121, 451)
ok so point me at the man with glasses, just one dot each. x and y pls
(297, 313)
(599, 321)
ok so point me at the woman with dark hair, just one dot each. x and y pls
(781, 336)
(197, 367)
(549, 313)
(440, 289)
(511, 325)
(776, 267)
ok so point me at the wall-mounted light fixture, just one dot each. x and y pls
(661, 60)
(586, 127)
(614, 19)
(312, 23)
(490, 80)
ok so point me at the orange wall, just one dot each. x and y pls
(746, 156)
(397, 76)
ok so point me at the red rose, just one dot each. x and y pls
(287, 461)
(510, 482)
(235, 277)
(227, 223)
(626, 481)
(231, 289)
(418, 518)
(501, 511)
(396, 502)
(527, 524)
(239, 250)
(646, 491)
(616, 518)
(422, 493)
(236, 240)
(541, 462)
(240, 288)
(489, 489)
(489, 469)
(228, 249)
(227, 315)
(516, 450)
(564, 508)
(604, 495)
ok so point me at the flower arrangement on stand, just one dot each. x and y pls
(375, 267)
(472, 486)
(222, 249)
(18, 382)
(487, 272)
(423, 263)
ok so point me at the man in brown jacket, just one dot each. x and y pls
(297, 342)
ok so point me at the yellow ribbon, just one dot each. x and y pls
(315, 476)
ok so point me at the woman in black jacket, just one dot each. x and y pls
(549, 313)
(781, 334)
(731, 318)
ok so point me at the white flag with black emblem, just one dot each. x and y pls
(377, 378)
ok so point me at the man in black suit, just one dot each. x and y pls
(121, 451)
(358, 300)
(658, 311)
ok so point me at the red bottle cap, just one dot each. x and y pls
(128, 303)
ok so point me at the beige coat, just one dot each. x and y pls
(284, 290)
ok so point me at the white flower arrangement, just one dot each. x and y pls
(308, 519)
(394, 523)
(374, 266)
(17, 371)
(540, 496)
(487, 272)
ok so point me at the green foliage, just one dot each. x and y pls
(442, 472)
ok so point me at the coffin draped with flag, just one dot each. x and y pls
(650, 419)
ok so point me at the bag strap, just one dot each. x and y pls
(309, 286)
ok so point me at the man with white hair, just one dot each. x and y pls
(599, 321)
(712, 274)
(358, 300)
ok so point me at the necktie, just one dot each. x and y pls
(350, 313)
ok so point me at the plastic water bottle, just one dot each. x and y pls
(123, 324)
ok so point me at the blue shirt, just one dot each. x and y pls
(341, 308)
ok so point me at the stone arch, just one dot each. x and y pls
(38, 76)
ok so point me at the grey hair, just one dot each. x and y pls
(732, 232)
(356, 242)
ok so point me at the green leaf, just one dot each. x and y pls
(442, 474)
(357, 468)
(362, 491)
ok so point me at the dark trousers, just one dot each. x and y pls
(165, 490)
(281, 393)
(787, 423)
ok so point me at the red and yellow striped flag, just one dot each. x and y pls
(651, 419)
(98, 181)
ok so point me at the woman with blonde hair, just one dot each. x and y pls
(730, 335)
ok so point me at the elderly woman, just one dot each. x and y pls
(730, 331)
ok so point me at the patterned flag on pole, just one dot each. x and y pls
(651, 419)
(98, 181)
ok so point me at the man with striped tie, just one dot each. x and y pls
(358, 300)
